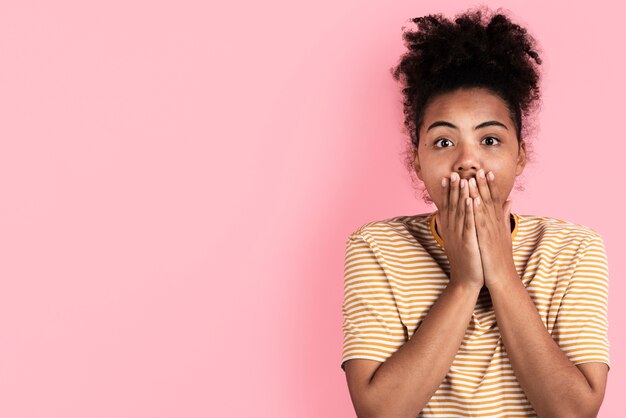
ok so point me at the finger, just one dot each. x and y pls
(470, 227)
(445, 191)
(483, 188)
(478, 209)
(460, 218)
(489, 213)
(454, 197)
(464, 192)
(473, 189)
(494, 191)
(507, 214)
(477, 203)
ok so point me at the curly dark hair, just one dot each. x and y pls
(480, 48)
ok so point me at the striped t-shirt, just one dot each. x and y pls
(395, 270)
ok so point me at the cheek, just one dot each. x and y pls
(433, 185)
(504, 186)
(436, 192)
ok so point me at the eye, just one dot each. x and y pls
(441, 139)
(492, 138)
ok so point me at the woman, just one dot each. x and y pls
(472, 310)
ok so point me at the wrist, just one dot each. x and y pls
(466, 287)
(502, 280)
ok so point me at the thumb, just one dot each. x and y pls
(507, 212)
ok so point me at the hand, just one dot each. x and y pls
(455, 223)
(493, 227)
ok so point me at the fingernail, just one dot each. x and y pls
(491, 176)
(444, 182)
(478, 201)
(481, 173)
(473, 182)
(453, 177)
(462, 183)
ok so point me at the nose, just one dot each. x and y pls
(467, 163)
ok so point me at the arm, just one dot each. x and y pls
(553, 384)
(405, 382)
(549, 377)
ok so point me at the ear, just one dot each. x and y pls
(416, 164)
(521, 159)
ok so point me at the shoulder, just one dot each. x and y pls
(395, 226)
(558, 230)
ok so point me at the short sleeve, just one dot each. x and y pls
(372, 327)
(581, 327)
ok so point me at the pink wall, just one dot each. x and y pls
(179, 180)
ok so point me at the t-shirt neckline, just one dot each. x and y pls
(437, 237)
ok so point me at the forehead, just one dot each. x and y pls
(475, 104)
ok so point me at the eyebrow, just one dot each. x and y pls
(480, 125)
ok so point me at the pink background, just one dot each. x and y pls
(178, 181)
